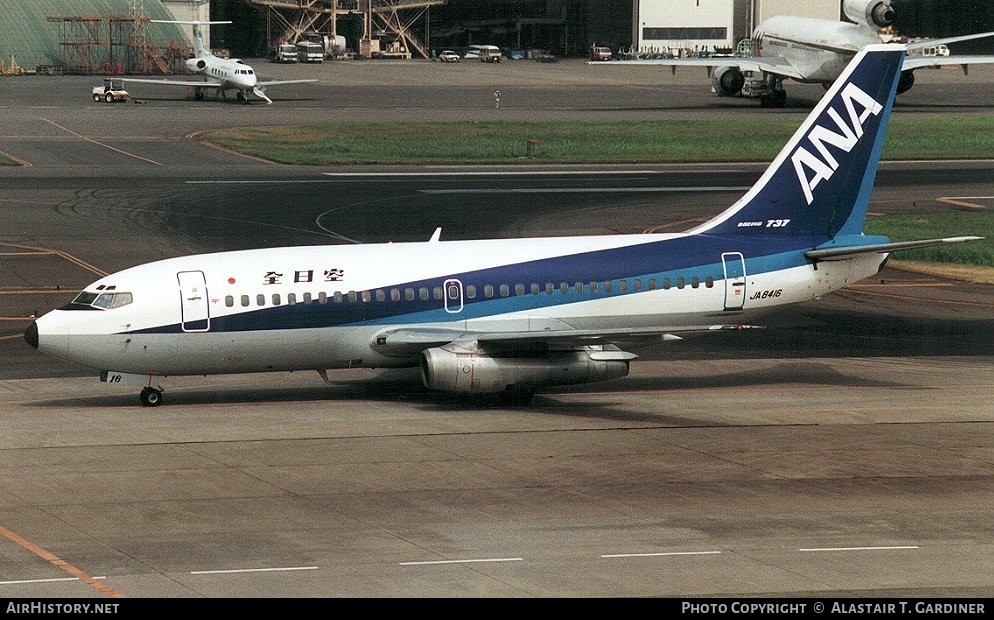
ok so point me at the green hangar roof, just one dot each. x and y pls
(30, 37)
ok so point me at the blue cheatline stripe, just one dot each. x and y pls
(686, 257)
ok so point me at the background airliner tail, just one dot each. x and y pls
(820, 183)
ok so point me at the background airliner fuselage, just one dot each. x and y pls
(812, 50)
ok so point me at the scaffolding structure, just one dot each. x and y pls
(393, 25)
(113, 45)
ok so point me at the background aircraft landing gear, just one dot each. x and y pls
(150, 397)
(774, 99)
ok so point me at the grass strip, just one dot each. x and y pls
(506, 142)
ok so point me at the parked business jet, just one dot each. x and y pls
(506, 316)
(814, 51)
(220, 74)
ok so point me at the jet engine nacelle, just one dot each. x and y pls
(196, 64)
(727, 81)
(458, 371)
(873, 13)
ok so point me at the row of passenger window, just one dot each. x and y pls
(452, 290)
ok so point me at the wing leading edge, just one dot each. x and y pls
(408, 341)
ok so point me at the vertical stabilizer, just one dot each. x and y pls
(200, 47)
(820, 183)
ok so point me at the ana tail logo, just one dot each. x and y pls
(812, 169)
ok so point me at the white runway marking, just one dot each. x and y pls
(470, 561)
(251, 570)
(662, 553)
(861, 548)
(578, 190)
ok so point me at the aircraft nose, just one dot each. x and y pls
(31, 334)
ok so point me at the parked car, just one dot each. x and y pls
(449, 56)
(490, 53)
(600, 53)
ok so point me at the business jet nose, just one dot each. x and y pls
(31, 334)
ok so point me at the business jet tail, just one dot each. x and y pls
(200, 48)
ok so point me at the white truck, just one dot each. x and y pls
(310, 51)
(285, 52)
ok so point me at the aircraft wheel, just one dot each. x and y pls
(150, 397)
(780, 99)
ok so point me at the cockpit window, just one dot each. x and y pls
(106, 301)
(84, 298)
(120, 299)
(103, 301)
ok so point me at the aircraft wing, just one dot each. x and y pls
(772, 64)
(196, 83)
(277, 82)
(914, 46)
(914, 59)
(919, 62)
(206, 84)
(407, 341)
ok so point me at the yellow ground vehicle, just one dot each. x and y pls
(111, 91)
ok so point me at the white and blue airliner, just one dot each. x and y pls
(505, 316)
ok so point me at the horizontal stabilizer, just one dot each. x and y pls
(842, 253)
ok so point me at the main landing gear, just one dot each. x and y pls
(774, 99)
(774, 96)
(150, 397)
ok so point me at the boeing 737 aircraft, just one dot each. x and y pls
(814, 51)
(220, 74)
(507, 316)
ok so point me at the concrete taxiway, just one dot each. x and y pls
(845, 451)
